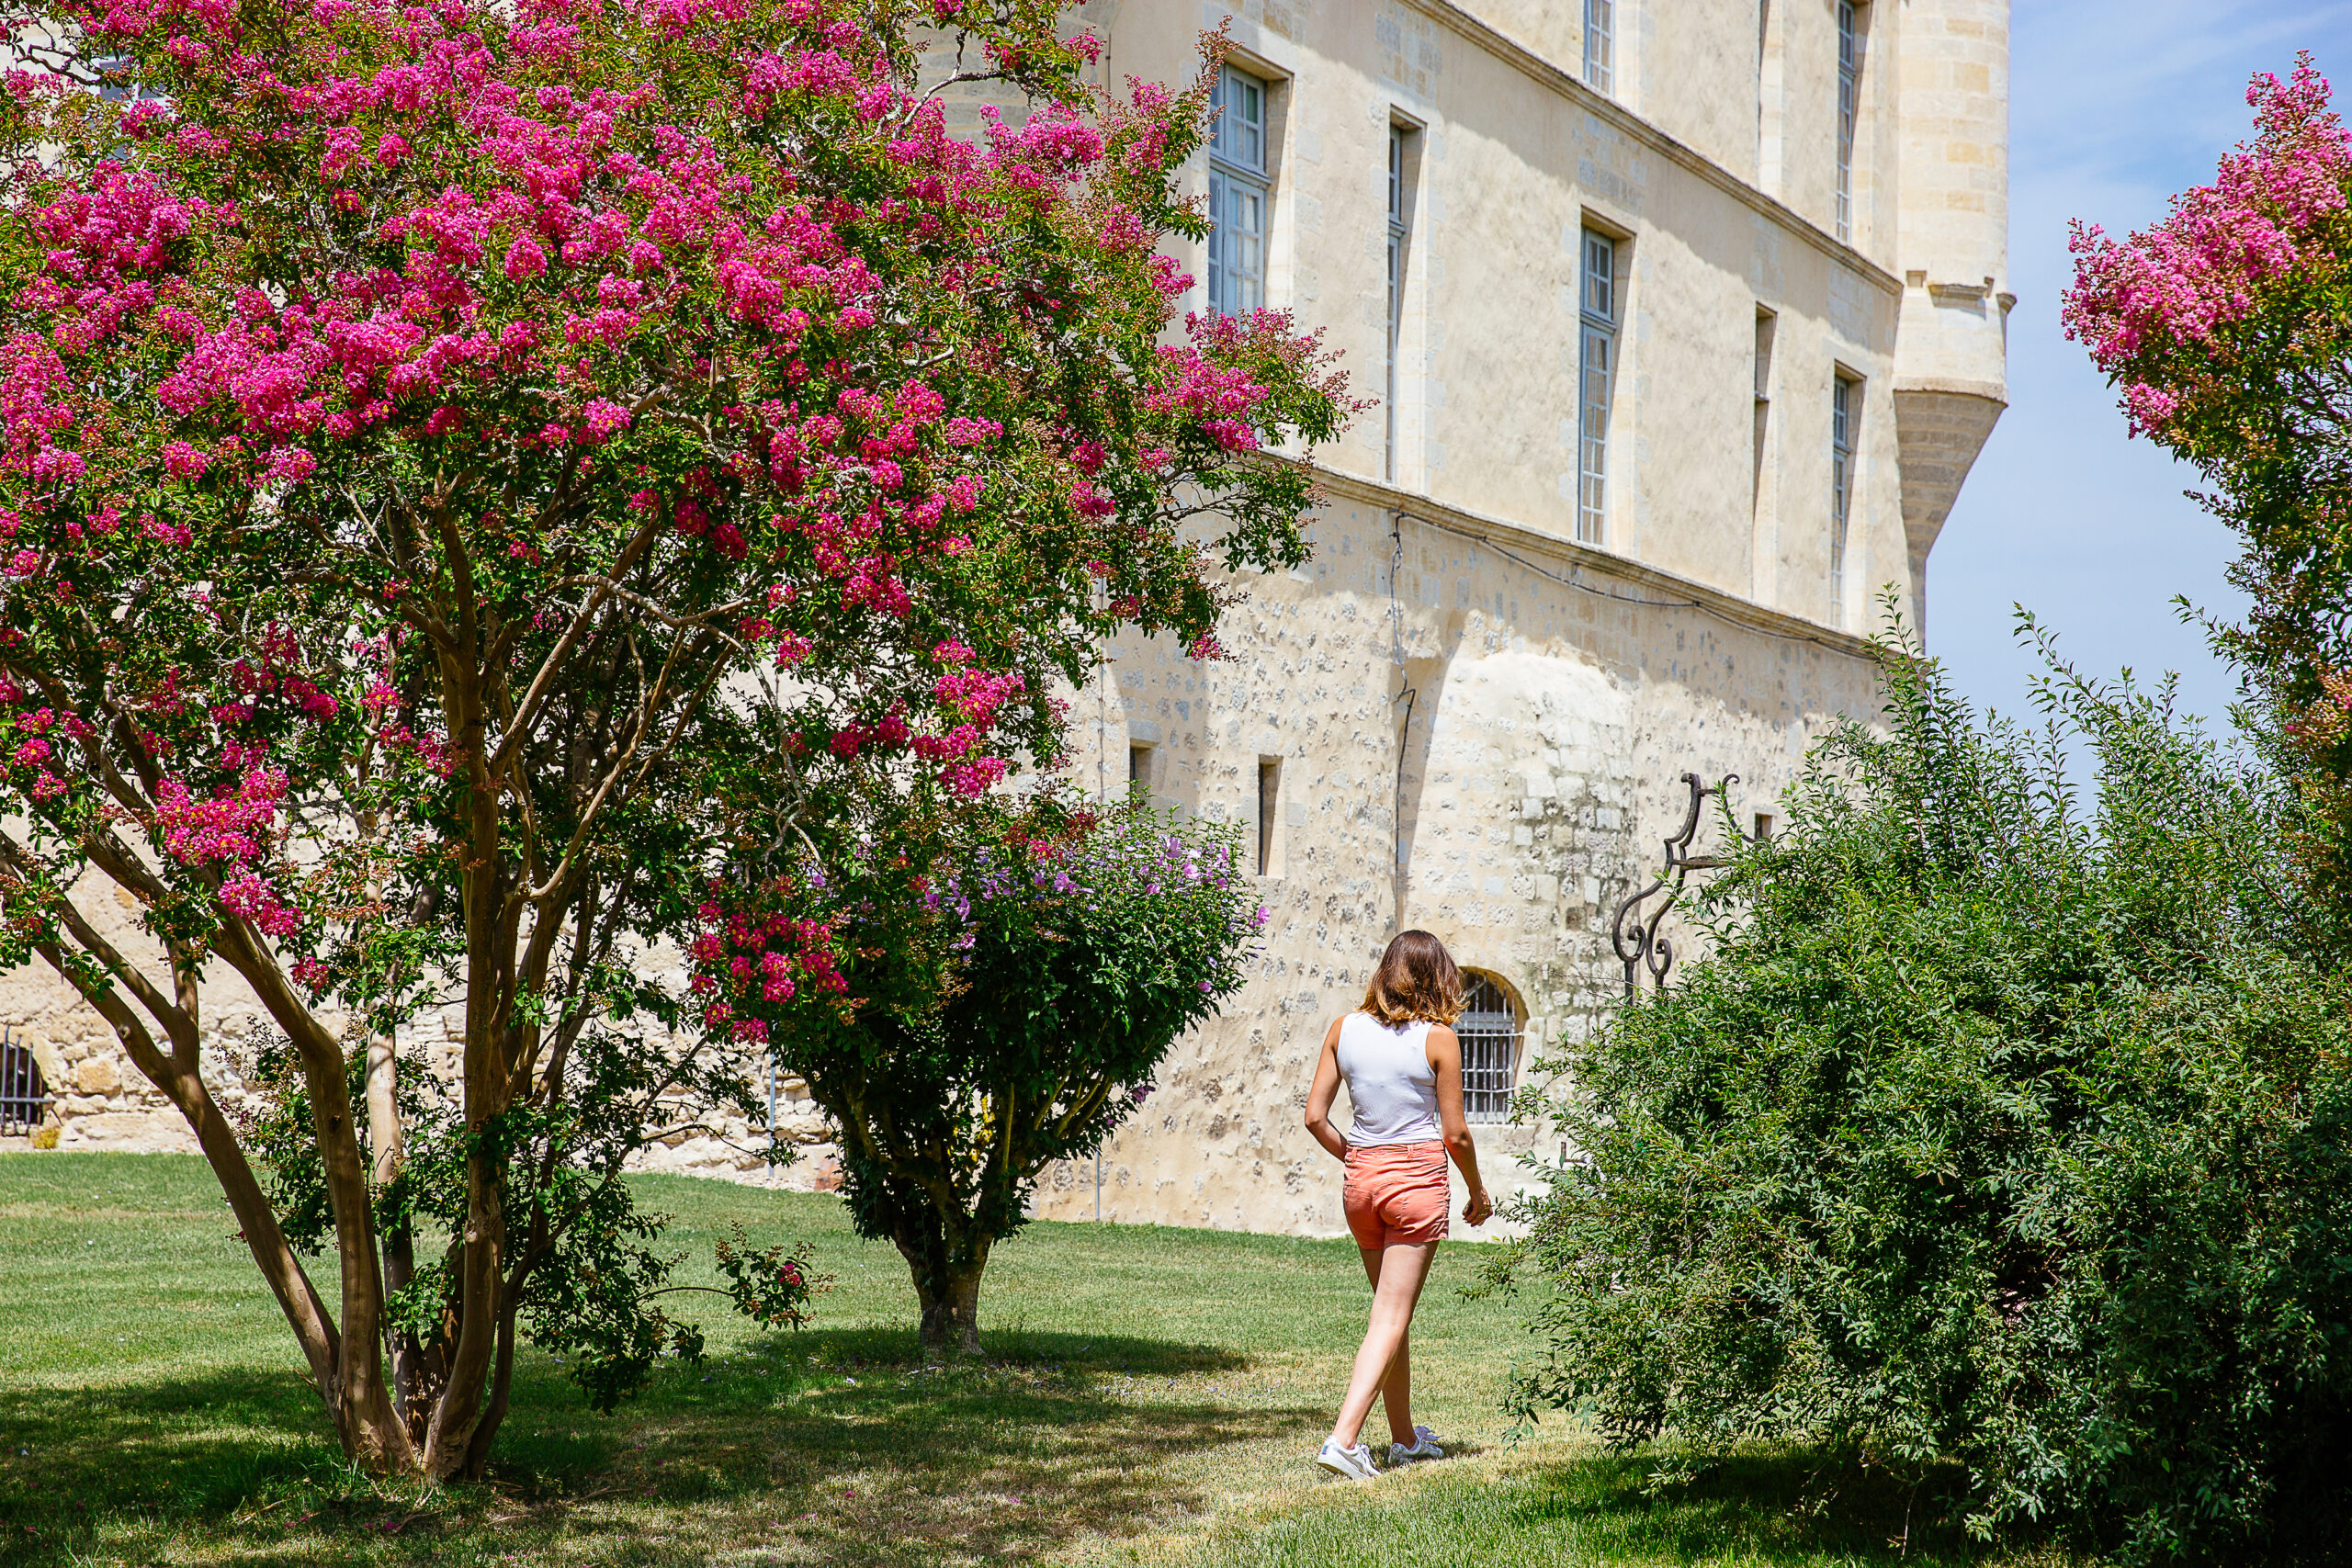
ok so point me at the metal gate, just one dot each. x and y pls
(1488, 1030)
(24, 1098)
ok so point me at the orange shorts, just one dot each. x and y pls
(1396, 1193)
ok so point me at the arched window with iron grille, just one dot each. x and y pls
(1488, 1028)
(24, 1100)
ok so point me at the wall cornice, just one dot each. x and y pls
(1665, 590)
(1503, 47)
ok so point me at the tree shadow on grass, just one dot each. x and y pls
(843, 1446)
(1778, 1504)
(1783, 1507)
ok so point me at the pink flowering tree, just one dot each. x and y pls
(2228, 328)
(477, 477)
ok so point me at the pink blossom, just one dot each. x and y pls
(291, 464)
(525, 259)
(2179, 282)
(254, 896)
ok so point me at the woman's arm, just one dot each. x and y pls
(1324, 1090)
(1445, 1059)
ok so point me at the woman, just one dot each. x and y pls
(1403, 1067)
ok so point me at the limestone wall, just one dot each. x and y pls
(1556, 698)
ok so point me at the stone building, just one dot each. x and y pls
(1684, 321)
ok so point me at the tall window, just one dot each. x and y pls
(1237, 194)
(1488, 1030)
(1766, 322)
(1397, 235)
(1850, 107)
(1845, 411)
(1596, 377)
(1600, 45)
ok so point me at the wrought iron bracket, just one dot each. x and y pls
(1633, 934)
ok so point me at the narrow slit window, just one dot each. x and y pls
(1139, 765)
(1845, 411)
(1270, 792)
(1600, 45)
(1763, 827)
(1850, 108)
(1489, 1032)
(1237, 194)
(1596, 380)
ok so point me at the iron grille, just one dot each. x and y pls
(24, 1098)
(1488, 1030)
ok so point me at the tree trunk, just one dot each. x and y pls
(388, 1143)
(372, 1432)
(501, 1384)
(947, 1285)
(481, 1309)
(951, 1320)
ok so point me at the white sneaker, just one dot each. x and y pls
(1349, 1464)
(1425, 1445)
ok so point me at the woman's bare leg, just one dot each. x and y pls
(1397, 1389)
(1404, 1268)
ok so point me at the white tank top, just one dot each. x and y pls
(1390, 1081)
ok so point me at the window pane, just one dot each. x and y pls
(1600, 276)
(1219, 224)
(1395, 175)
(1247, 259)
(1599, 45)
(1239, 134)
(1599, 356)
(1841, 490)
(1850, 73)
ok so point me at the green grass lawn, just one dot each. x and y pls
(1149, 1395)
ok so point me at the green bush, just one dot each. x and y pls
(2003, 1134)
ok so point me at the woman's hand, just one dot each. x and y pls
(1479, 1208)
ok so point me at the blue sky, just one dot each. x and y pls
(2114, 106)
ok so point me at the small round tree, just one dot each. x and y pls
(1073, 950)
(469, 473)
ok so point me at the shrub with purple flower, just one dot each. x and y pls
(1068, 953)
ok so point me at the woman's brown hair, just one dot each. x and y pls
(1415, 980)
